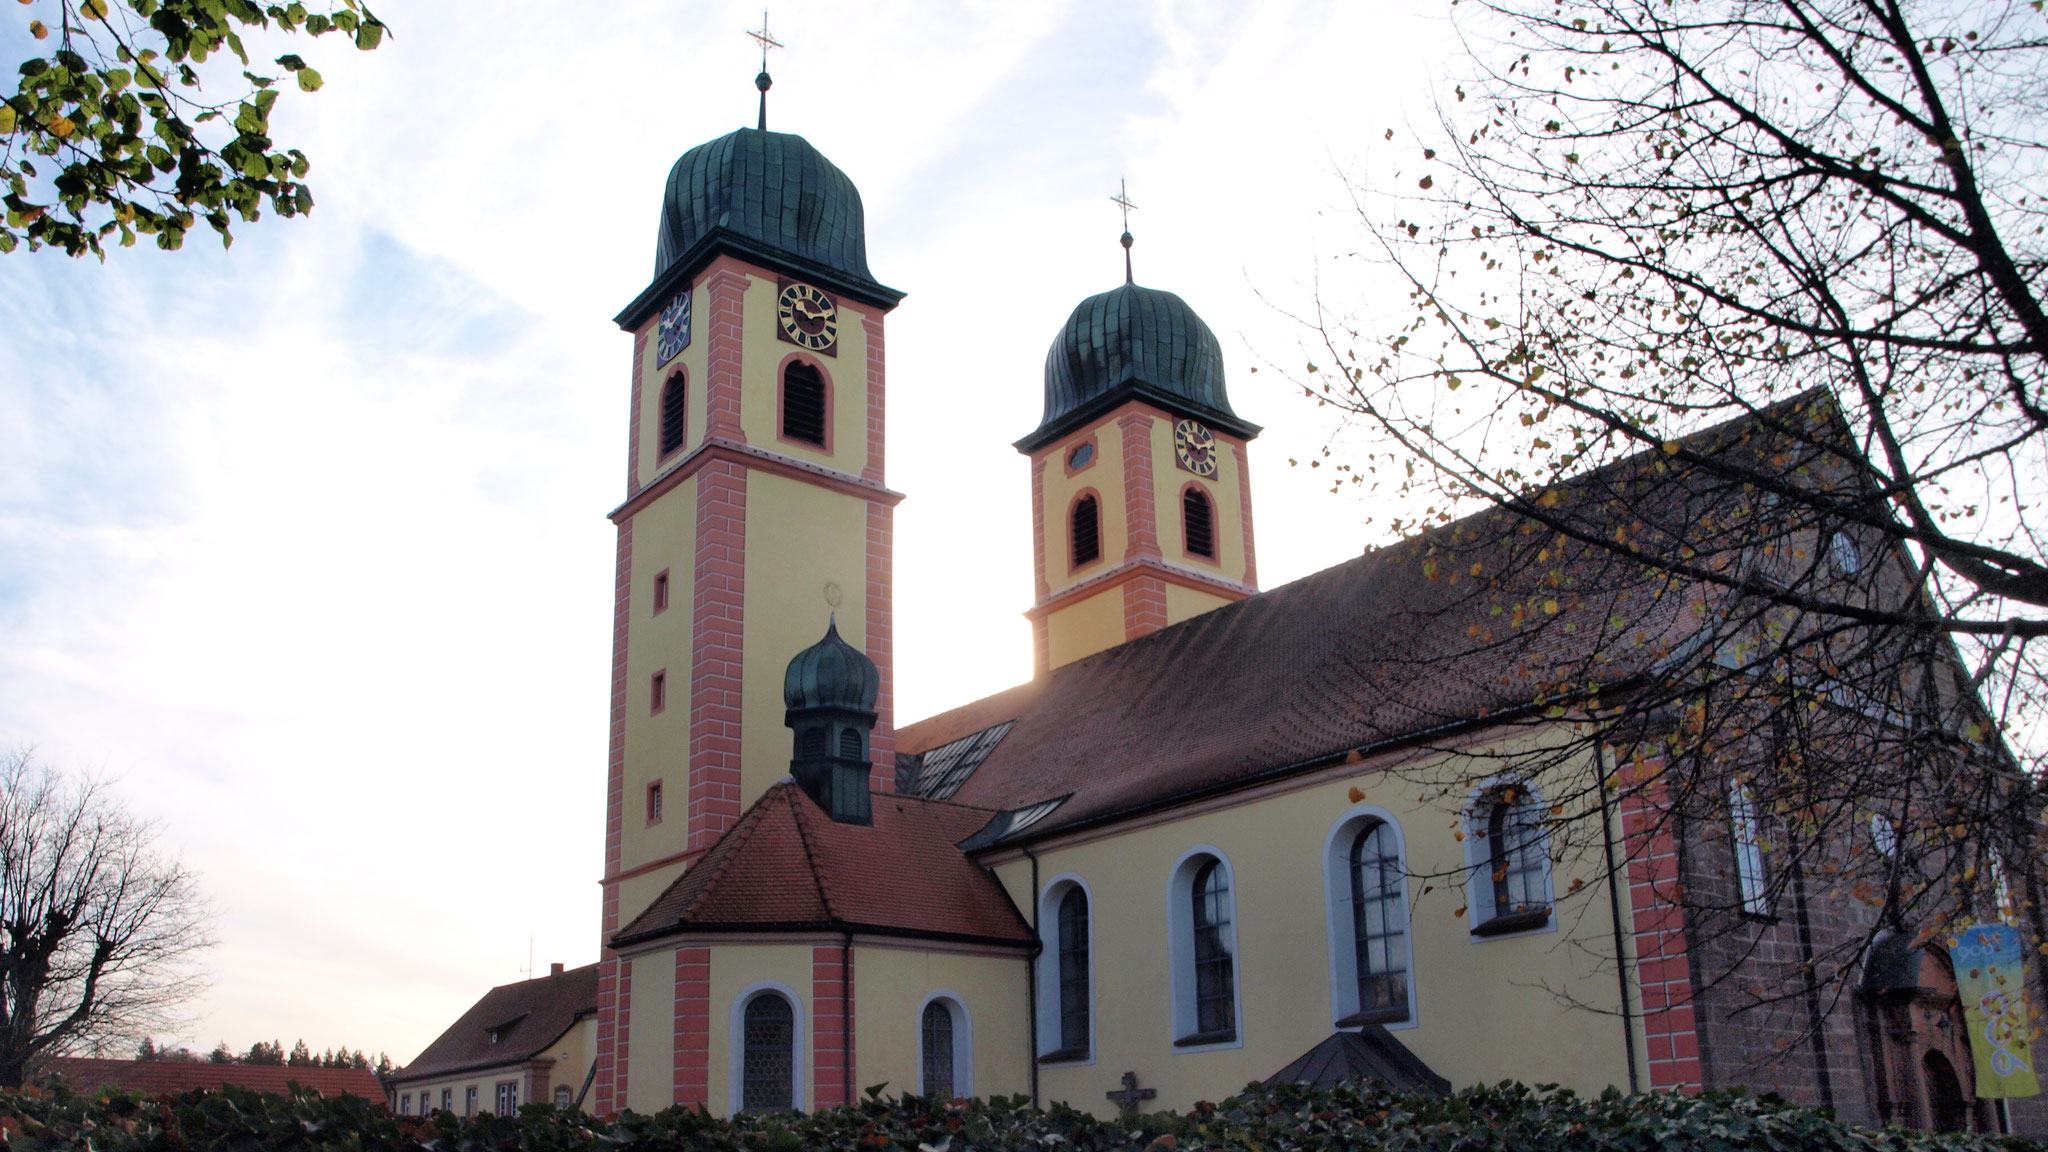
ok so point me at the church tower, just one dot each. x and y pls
(755, 510)
(1141, 501)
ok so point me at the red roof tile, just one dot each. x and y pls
(787, 865)
(170, 1077)
(527, 1017)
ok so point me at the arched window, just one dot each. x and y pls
(1379, 924)
(849, 744)
(1086, 531)
(1511, 887)
(1215, 975)
(937, 1049)
(1202, 950)
(1064, 974)
(1750, 881)
(768, 1061)
(1073, 971)
(803, 404)
(564, 1097)
(1198, 522)
(675, 408)
(945, 1048)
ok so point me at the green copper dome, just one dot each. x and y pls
(766, 194)
(1133, 343)
(831, 674)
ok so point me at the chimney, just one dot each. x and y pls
(554, 969)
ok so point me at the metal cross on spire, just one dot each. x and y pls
(1122, 199)
(766, 40)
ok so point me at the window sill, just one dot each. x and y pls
(1375, 1016)
(1221, 1036)
(1513, 922)
(1064, 1056)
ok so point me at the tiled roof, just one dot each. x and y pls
(170, 1077)
(1471, 621)
(786, 865)
(526, 1017)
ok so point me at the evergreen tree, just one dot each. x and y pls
(271, 1054)
(383, 1064)
(302, 1056)
(221, 1054)
(147, 1050)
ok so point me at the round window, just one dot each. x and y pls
(1081, 456)
(1847, 556)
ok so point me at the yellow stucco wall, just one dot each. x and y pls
(891, 986)
(1472, 994)
(654, 374)
(1086, 626)
(658, 745)
(1169, 479)
(734, 969)
(1106, 477)
(846, 376)
(800, 538)
(650, 1058)
(1183, 602)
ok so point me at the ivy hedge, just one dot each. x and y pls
(1366, 1118)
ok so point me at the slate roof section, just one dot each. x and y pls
(1467, 624)
(527, 1016)
(1128, 343)
(173, 1077)
(787, 866)
(1372, 1053)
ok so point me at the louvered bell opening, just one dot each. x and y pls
(674, 407)
(849, 744)
(1199, 520)
(803, 404)
(810, 743)
(1087, 532)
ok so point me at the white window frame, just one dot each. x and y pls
(469, 1094)
(1337, 912)
(506, 1091)
(736, 1041)
(405, 1104)
(1180, 949)
(1752, 882)
(1048, 974)
(963, 1041)
(1479, 860)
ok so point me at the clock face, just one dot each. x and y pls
(1194, 447)
(808, 318)
(674, 333)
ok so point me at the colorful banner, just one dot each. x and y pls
(1991, 977)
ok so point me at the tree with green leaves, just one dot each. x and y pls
(1825, 219)
(149, 117)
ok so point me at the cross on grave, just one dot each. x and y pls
(1127, 1100)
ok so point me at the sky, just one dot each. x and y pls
(303, 544)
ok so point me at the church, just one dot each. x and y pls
(1190, 853)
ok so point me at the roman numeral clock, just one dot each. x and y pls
(807, 318)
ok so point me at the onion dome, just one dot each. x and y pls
(1134, 343)
(766, 197)
(831, 674)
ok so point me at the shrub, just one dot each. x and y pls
(1366, 1118)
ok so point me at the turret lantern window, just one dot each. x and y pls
(803, 404)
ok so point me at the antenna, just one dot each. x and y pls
(766, 40)
(1122, 199)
